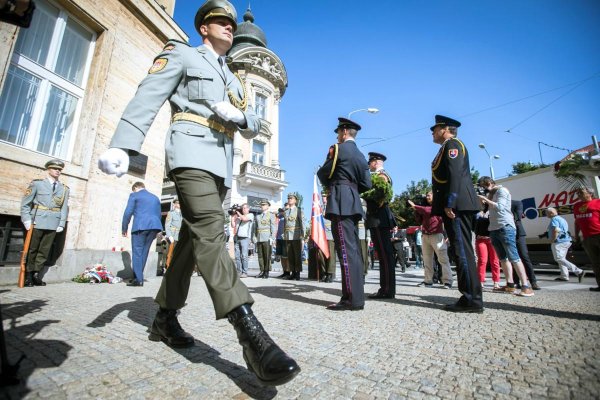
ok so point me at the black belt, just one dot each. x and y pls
(344, 182)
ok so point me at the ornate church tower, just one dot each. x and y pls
(256, 169)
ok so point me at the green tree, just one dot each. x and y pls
(405, 215)
(474, 175)
(522, 167)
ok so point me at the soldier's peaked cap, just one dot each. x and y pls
(346, 123)
(213, 9)
(440, 120)
(376, 156)
(292, 194)
(265, 202)
(55, 164)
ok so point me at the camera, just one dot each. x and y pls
(481, 191)
(234, 208)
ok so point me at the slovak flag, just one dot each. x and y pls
(317, 222)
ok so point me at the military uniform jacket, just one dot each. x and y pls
(264, 227)
(192, 80)
(346, 174)
(451, 179)
(380, 216)
(294, 225)
(48, 208)
(173, 224)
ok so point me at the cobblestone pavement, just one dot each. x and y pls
(90, 341)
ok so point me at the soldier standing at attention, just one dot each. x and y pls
(44, 209)
(209, 104)
(293, 235)
(455, 200)
(380, 221)
(264, 235)
(346, 174)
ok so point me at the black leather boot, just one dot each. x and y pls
(262, 273)
(29, 279)
(266, 275)
(166, 328)
(37, 281)
(297, 275)
(263, 357)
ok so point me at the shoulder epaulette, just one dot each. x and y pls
(177, 41)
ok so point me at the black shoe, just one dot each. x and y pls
(166, 328)
(284, 275)
(344, 305)
(38, 282)
(580, 276)
(560, 278)
(381, 295)
(289, 276)
(595, 289)
(459, 308)
(297, 275)
(29, 280)
(260, 275)
(265, 275)
(135, 283)
(269, 363)
(535, 286)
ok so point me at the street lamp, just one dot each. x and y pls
(494, 157)
(369, 110)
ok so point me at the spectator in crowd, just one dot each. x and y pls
(418, 248)
(485, 250)
(44, 208)
(144, 207)
(241, 222)
(558, 233)
(587, 222)
(398, 238)
(293, 235)
(264, 233)
(516, 207)
(503, 233)
(172, 228)
(434, 242)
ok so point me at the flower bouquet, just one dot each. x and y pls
(97, 273)
(381, 191)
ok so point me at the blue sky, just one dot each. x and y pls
(413, 59)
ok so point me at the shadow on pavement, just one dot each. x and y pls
(21, 343)
(294, 291)
(244, 379)
(141, 310)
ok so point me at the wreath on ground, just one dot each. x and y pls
(97, 273)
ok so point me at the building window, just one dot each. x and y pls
(258, 152)
(44, 87)
(260, 105)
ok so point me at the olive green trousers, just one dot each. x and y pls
(202, 243)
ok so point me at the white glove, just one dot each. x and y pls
(228, 112)
(114, 161)
(59, 229)
(270, 242)
(27, 225)
(171, 239)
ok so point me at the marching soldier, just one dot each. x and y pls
(293, 236)
(264, 235)
(455, 200)
(380, 221)
(44, 209)
(346, 174)
(209, 104)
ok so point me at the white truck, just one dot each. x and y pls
(539, 190)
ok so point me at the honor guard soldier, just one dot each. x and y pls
(455, 200)
(44, 209)
(293, 236)
(209, 104)
(264, 237)
(346, 175)
(380, 222)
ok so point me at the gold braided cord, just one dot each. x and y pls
(335, 156)
(243, 104)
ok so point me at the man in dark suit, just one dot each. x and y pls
(144, 207)
(380, 221)
(455, 200)
(346, 174)
(516, 206)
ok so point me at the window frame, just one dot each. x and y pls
(264, 153)
(258, 94)
(48, 79)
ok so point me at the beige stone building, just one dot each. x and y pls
(64, 83)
